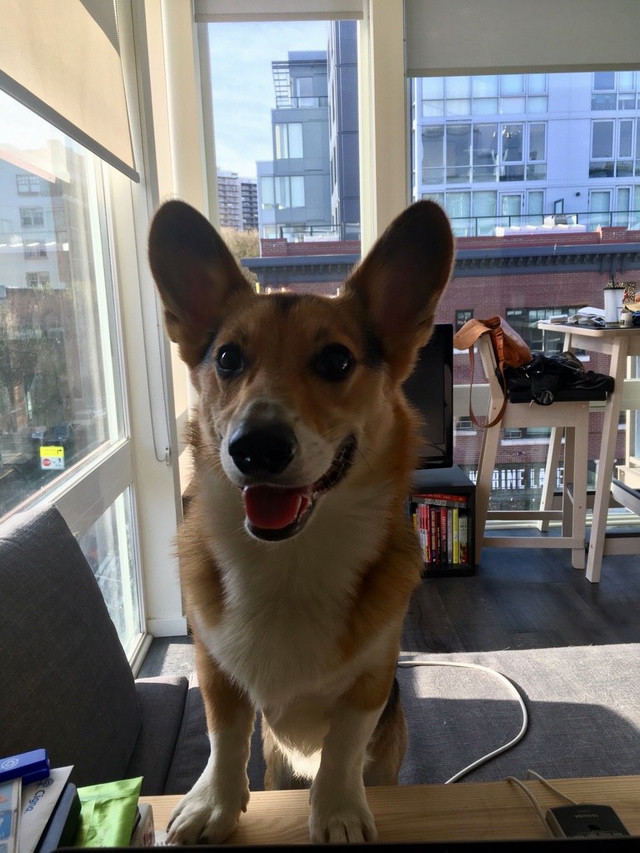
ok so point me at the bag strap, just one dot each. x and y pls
(465, 338)
(503, 407)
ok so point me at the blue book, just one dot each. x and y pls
(62, 828)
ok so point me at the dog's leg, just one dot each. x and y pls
(211, 809)
(339, 809)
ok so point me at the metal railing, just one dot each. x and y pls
(485, 226)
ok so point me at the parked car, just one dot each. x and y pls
(60, 435)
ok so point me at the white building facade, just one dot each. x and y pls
(529, 149)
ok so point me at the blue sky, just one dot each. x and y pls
(242, 81)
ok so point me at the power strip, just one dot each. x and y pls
(585, 820)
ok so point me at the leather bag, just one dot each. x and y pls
(510, 350)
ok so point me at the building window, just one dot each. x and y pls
(462, 316)
(37, 280)
(28, 184)
(512, 153)
(303, 92)
(288, 140)
(615, 148)
(282, 191)
(35, 249)
(483, 151)
(615, 90)
(537, 165)
(458, 153)
(32, 217)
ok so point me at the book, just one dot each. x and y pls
(463, 537)
(62, 828)
(431, 497)
(39, 800)
(10, 802)
(455, 512)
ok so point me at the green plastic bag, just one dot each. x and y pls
(108, 813)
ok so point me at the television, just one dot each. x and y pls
(430, 390)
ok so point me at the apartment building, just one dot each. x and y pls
(293, 188)
(512, 150)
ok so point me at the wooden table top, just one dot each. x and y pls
(457, 812)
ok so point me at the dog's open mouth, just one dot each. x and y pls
(277, 512)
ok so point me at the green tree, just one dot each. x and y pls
(242, 244)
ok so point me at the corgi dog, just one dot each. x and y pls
(297, 558)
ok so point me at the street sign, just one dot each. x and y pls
(51, 458)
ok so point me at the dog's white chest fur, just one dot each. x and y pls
(285, 603)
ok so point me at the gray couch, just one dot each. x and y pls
(66, 685)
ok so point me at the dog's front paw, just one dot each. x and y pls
(206, 815)
(343, 820)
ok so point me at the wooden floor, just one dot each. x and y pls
(526, 598)
(520, 598)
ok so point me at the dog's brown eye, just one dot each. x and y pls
(229, 361)
(334, 363)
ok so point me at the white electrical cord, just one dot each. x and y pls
(511, 688)
(534, 802)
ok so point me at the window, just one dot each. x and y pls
(458, 153)
(27, 184)
(463, 315)
(31, 217)
(37, 280)
(61, 388)
(288, 140)
(525, 162)
(600, 207)
(433, 154)
(35, 249)
(512, 152)
(282, 192)
(536, 168)
(485, 152)
(482, 152)
(615, 146)
(303, 92)
(614, 90)
(303, 147)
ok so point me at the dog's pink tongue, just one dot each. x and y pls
(272, 508)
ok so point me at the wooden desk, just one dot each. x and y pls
(463, 811)
(618, 343)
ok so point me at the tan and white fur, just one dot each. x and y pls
(297, 560)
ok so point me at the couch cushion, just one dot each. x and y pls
(66, 683)
(192, 748)
(162, 702)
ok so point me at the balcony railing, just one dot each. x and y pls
(487, 226)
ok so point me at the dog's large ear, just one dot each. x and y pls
(196, 275)
(401, 280)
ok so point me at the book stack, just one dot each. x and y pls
(41, 810)
(441, 520)
(39, 807)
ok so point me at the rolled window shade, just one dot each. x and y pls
(207, 11)
(455, 37)
(60, 58)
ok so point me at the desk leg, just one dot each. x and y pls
(605, 465)
(550, 471)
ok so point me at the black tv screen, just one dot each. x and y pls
(430, 390)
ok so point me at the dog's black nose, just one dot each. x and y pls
(259, 451)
